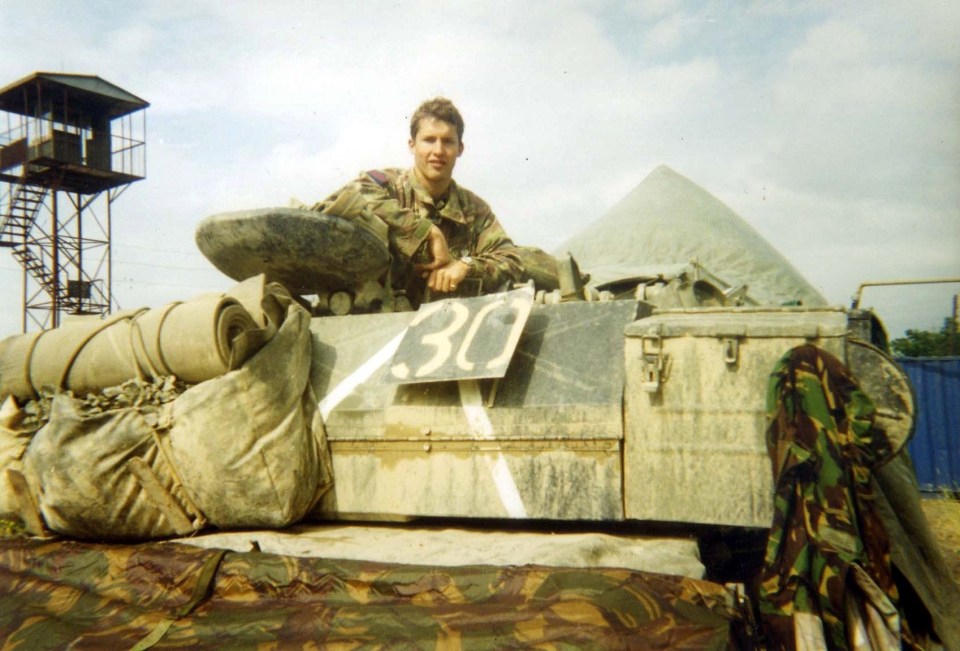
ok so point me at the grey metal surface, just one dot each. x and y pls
(756, 322)
(607, 412)
(542, 442)
(888, 386)
(694, 407)
(569, 355)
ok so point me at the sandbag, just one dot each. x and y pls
(246, 443)
(15, 435)
(103, 474)
(193, 340)
(160, 459)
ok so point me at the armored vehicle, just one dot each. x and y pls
(631, 397)
(625, 396)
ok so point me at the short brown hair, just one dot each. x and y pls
(439, 108)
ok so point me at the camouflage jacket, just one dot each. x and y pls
(827, 561)
(398, 200)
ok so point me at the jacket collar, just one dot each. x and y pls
(448, 207)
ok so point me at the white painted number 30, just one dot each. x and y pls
(440, 340)
(443, 341)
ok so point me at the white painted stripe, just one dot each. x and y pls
(480, 425)
(359, 376)
(507, 487)
(482, 428)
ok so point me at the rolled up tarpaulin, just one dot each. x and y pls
(47, 358)
(194, 340)
(267, 300)
(15, 354)
(191, 340)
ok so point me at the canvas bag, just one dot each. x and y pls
(243, 449)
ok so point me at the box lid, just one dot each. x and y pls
(743, 322)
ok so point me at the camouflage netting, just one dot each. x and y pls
(167, 595)
(157, 458)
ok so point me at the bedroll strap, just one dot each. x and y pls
(200, 591)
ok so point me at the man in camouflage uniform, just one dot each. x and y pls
(440, 234)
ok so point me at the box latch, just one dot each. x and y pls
(731, 350)
(651, 362)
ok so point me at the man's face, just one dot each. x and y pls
(435, 151)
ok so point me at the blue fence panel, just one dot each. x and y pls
(935, 447)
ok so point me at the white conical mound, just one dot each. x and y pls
(669, 219)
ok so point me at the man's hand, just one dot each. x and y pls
(439, 251)
(443, 274)
(446, 278)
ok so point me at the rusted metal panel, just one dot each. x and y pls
(935, 447)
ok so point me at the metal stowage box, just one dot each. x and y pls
(694, 401)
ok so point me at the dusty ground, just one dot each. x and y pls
(944, 518)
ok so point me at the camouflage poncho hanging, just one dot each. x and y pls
(827, 580)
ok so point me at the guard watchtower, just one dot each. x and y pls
(70, 145)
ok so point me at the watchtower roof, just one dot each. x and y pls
(94, 92)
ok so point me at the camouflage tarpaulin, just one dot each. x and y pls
(168, 595)
(668, 219)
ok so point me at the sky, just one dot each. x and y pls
(832, 128)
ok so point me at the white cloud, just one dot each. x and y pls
(668, 34)
(831, 45)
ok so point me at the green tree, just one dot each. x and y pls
(923, 343)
